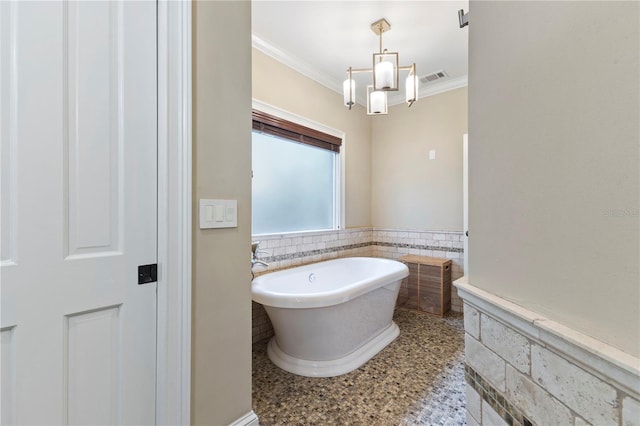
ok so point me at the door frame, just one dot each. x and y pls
(173, 350)
(465, 201)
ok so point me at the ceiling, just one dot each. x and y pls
(321, 39)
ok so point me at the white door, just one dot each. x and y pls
(78, 128)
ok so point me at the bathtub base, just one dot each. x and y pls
(334, 367)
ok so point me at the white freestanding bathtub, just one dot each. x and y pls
(330, 317)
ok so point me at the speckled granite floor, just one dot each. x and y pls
(416, 380)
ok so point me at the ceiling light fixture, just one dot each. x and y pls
(385, 72)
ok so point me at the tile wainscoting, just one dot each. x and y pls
(522, 369)
(291, 250)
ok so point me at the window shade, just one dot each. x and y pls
(271, 125)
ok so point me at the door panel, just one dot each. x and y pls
(79, 211)
(7, 134)
(94, 116)
(7, 372)
(93, 363)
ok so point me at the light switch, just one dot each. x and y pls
(218, 213)
(432, 154)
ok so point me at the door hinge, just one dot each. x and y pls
(147, 273)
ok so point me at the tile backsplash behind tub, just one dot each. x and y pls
(289, 250)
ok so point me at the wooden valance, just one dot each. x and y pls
(275, 126)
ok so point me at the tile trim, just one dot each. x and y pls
(419, 247)
(495, 398)
(316, 252)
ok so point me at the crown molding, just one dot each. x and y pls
(307, 70)
(430, 90)
(444, 86)
(398, 98)
(295, 63)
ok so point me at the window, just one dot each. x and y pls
(295, 177)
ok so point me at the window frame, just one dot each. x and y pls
(339, 163)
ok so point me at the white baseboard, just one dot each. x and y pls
(249, 419)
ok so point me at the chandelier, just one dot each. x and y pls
(385, 72)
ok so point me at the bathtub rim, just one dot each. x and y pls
(260, 294)
(334, 367)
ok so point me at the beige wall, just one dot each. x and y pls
(282, 87)
(554, 161)
(221, 351)
(409, 190)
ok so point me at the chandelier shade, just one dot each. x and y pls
(385, 72)
(411, 86)
(385, 75)
(376, 101)
(348, 92)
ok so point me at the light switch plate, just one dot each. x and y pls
(218, 213)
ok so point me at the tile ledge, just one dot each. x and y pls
(431, 231)
(594, 355)
(294, 234)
